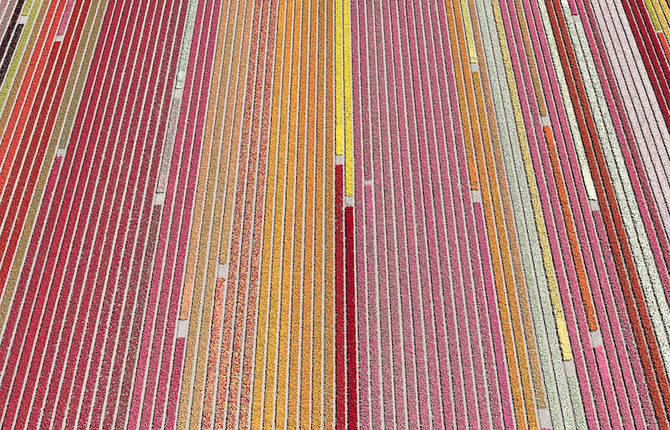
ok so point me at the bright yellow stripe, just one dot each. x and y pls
(339, 77)
(348, 105)
(550, 271)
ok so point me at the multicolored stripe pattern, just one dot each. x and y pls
(335, 214)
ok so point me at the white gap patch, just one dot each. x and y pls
(182, 328)
(476, 196)
(222, 271)
(569, 367)
(596, 338)
(159, 198)
(545, 417)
